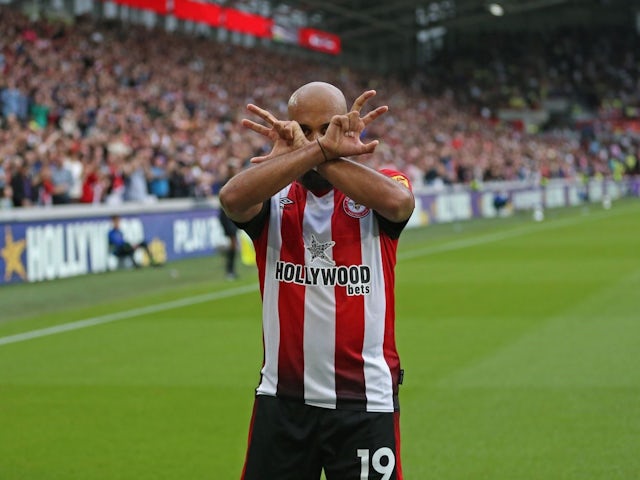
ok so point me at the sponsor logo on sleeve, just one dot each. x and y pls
(401, 179)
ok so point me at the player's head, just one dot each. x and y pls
(312, 106)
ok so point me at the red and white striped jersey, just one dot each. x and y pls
(326, 271)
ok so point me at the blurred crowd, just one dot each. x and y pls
(101, 113)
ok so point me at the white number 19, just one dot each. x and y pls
(384, 452)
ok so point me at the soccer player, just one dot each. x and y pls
(325, 230)
(230, 230)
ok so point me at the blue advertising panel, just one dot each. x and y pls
(34, 251)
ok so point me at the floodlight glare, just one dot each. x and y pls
(496, 9)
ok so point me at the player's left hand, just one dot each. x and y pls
(342, 138)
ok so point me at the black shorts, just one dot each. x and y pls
(124, 250)
(289, 440)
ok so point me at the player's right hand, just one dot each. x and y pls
(286, 135)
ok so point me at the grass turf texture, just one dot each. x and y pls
(520, 342)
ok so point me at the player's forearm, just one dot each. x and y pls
(368, 187)
(243, 195)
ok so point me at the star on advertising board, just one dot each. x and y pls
(12, 255)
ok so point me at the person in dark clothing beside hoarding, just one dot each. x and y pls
(122, 249)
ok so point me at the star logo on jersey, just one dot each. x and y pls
(319, 250)
(284, 201)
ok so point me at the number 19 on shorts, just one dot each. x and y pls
(382, 461)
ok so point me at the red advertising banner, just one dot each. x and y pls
(321, 41)
(158, 6)
(248, 23)
(208, 13)
(238, 21)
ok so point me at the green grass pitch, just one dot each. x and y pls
(520, 341)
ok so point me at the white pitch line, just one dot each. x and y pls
(450, 246)
(114, 317)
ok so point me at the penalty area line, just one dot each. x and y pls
(135, 312)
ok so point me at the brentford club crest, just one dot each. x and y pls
(354, 209)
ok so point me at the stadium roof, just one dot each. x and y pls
(392, 24)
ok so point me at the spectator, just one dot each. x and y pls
(136, 189)
(158, 177)
(61, 179)
(44, 186)
(180, 184)
(114, 171)
(6, 200)
(94, 184)
(14, 101)
(22, 185)
(73, 164)
(4, 176)
(122, 249)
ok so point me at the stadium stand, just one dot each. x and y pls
(99, 112)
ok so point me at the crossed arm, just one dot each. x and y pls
(293, 155)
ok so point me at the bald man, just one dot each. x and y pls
(325, 229)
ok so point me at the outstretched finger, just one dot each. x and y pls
(344, 124)
(354, 124)
(262, 113)
(256, 127)
(362, 99)
(285, 130)
(370, 147)
(372, 115)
